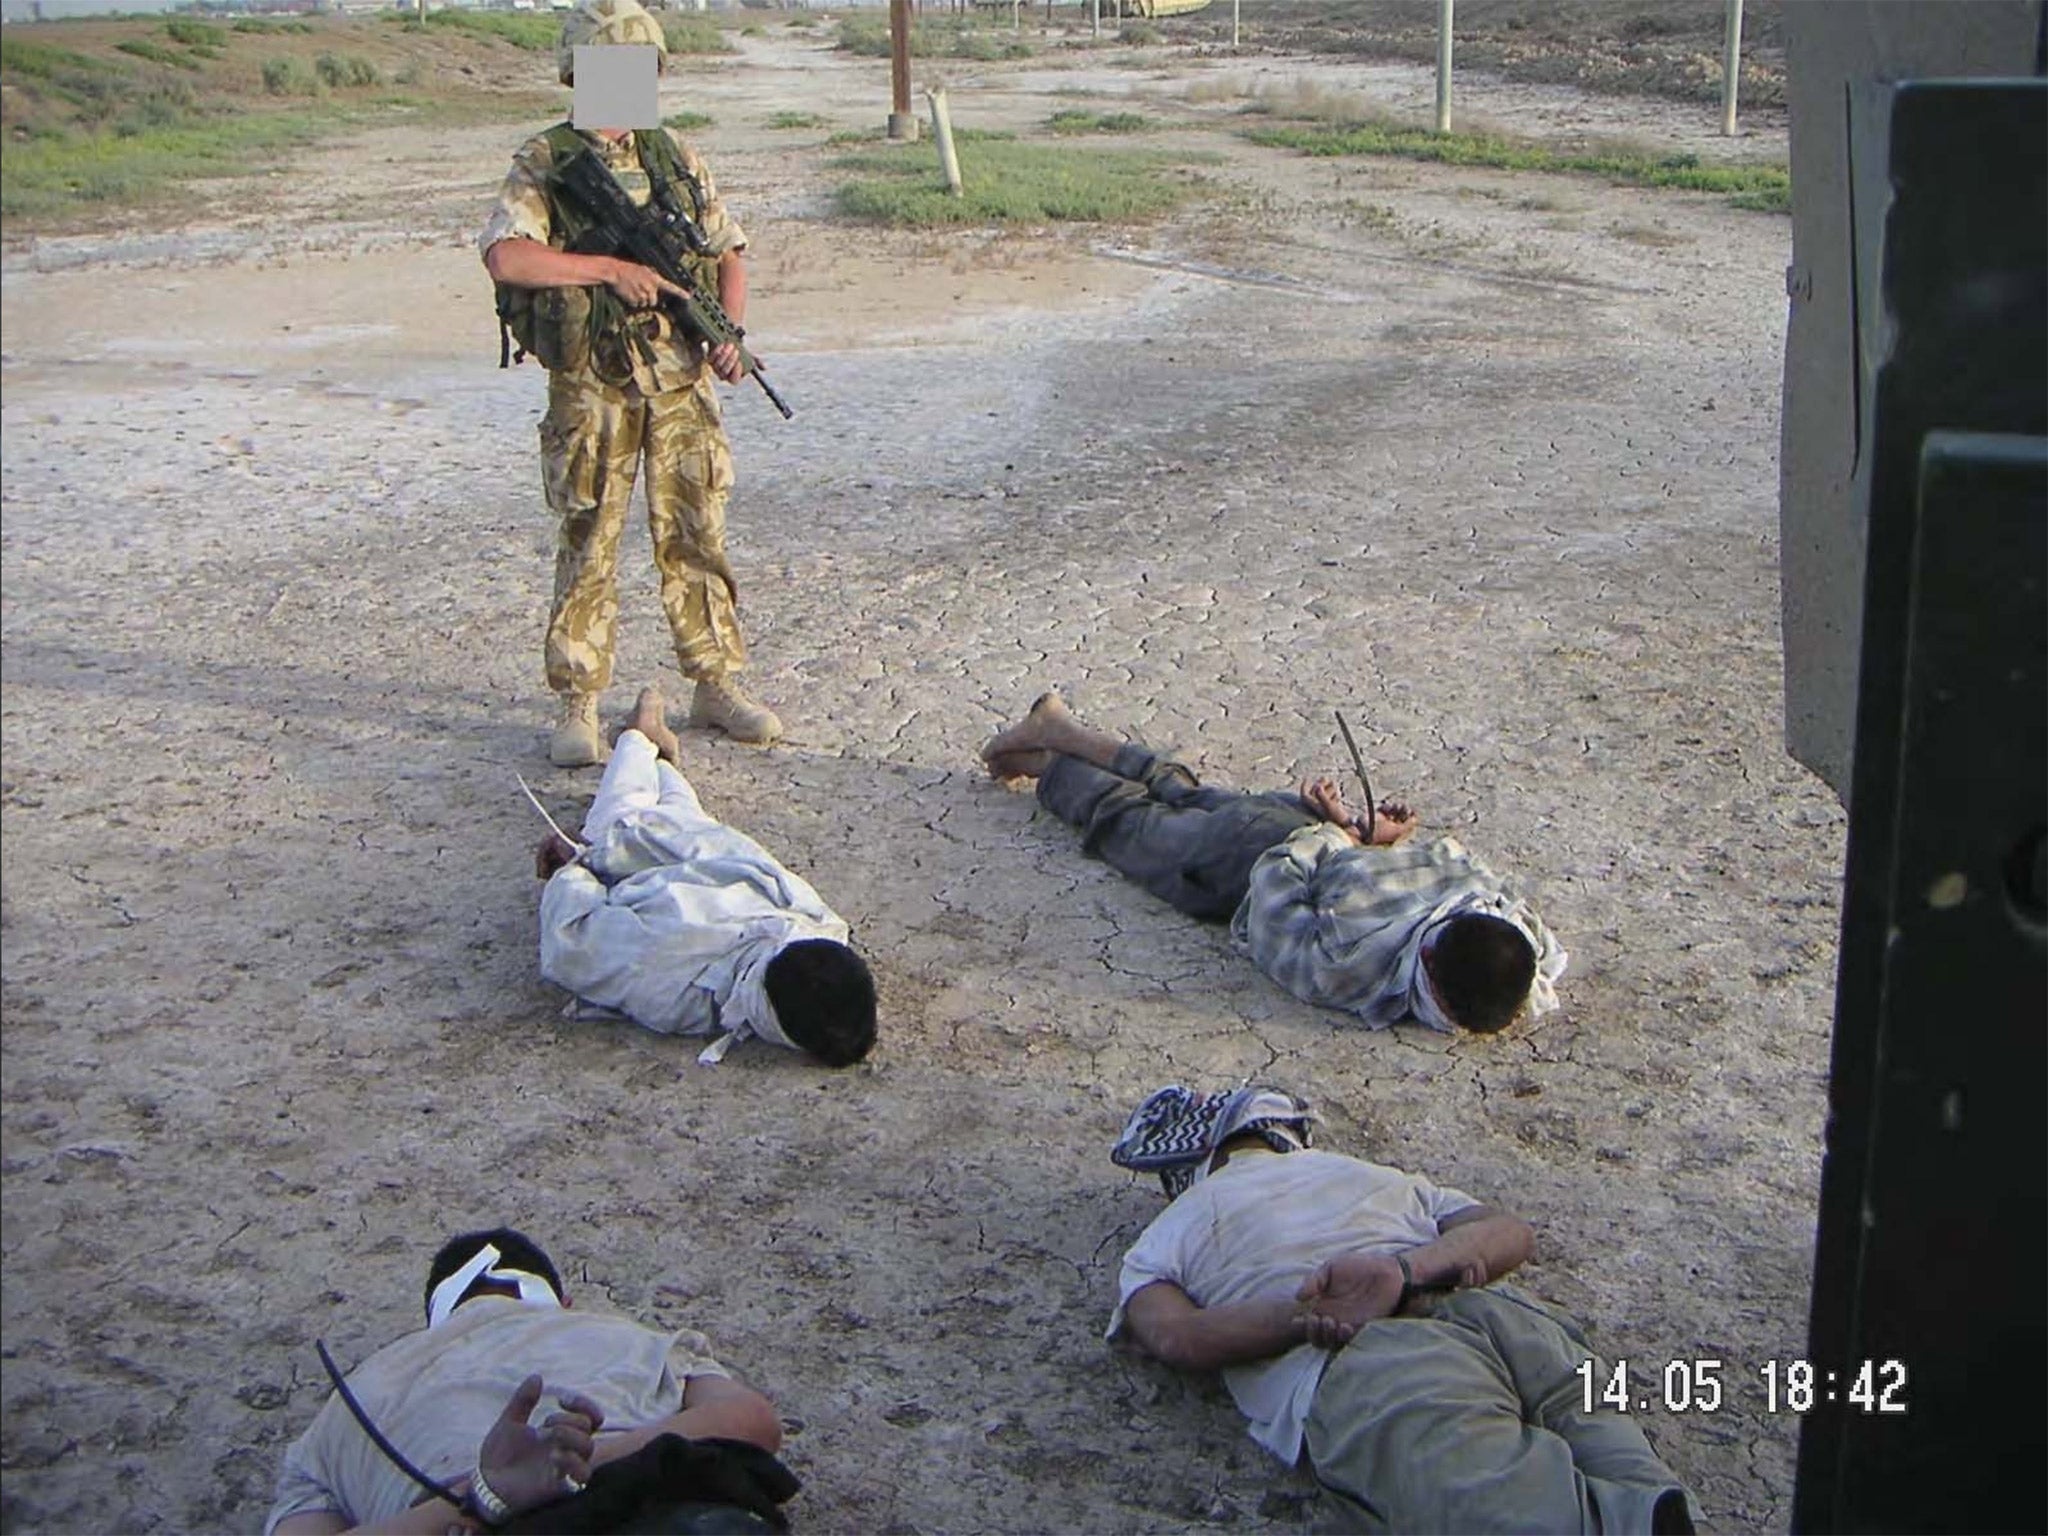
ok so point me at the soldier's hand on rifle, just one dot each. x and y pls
(640, 287)
(725, 362)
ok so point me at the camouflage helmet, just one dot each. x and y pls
(605, 21)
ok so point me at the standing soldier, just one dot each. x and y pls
(625, 384)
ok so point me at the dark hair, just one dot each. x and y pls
(515, 1251)
(1482, 967)
(824, 998)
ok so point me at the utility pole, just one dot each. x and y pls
(1731, 68)
(1443, 66)
(902, 122)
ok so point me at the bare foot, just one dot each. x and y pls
(1028, 736)
(650, 719)
(1018, 763)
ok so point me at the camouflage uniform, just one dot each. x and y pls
(596, 434)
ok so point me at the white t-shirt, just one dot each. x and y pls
(1254, 1230)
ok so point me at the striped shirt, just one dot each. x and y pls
(1342, 926)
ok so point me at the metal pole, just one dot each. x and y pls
(1443, 66)
(902, 125)
(1233, 22)
(1731, 68)
(1095, 16)
(942, 130)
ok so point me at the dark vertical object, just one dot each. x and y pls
(1933, 1245)
(1834, 53)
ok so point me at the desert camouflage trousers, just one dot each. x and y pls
(592, 440)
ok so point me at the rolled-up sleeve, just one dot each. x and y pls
(521, 212)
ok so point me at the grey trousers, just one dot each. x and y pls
(1473, 1418)
(1155, 823)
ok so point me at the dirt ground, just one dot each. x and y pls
(1486, 460)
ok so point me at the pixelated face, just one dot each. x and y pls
(616, 86)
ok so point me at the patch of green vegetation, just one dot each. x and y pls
(336, 71)
(99, 93)
(156, 53)
(289, 77)
(800, 19)
(163, 138)
(1007, 182)
(857, 136)
(684, 122)
(750, 30)
(194, 34)
(693, 34)
(1766, 199)
(796, 120)
(268, 24)
(1073, 120)
(45, 175)
(1753, 186)
(522, 29)
(935, 37)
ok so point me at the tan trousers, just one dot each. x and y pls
(593, 439)
(1473, 1418)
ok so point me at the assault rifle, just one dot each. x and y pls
(659, 236)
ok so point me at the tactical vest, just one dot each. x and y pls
(586, 327)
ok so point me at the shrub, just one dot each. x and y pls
(1140, 34)
(685, 121)
(156, 53)
(933, 38)
(289, 77)
(336, 71)
(194, 34)
(796, 120)
(693, 34)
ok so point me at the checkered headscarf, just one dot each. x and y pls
(1175, 1132)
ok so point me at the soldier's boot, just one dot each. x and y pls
(719, 703)
(577, 742)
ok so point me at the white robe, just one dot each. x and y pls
(670, 918)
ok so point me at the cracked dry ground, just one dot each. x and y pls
(1497, 479)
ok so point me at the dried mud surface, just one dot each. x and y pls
(1487, 461)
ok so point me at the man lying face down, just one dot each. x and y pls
(688, 927)
(1353, 1311)
(455, 1399)
(1339, 907)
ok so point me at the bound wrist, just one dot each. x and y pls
(481, 1502)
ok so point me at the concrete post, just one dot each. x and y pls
(902, 124)
(1095, 17)
(1731, 68)
(1234, 4)
(1443, 66)
(942, 130)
